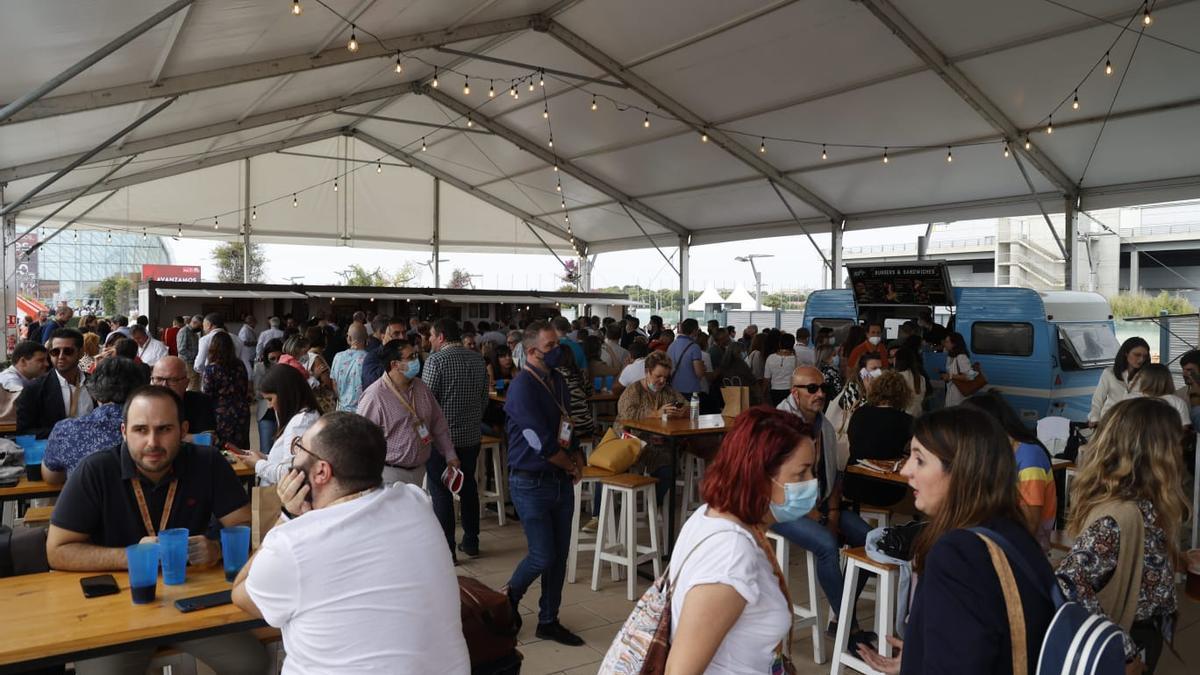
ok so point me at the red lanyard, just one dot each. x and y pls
(141, 502)
(553, 394)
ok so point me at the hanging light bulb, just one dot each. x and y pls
(435, 78)
(379, 168)
(143, 234)
(1108, 69)
(1050, 124)
(216, 223)
(567, 217)
(178, 233)
(512, 89)
(542, 73)
(466, 86)
(422, 144)
(1146, 18)
(491, 89)
(949, 154)
(704, 136)
(556, 166)
(352, 45)
(399, 66)
(531, 84)
(1027, 143)
(646, 121)
(1075, 101)
(885, 157)
(254, 213)
(564, 203)
(593, 102)
(335, 185)
(762, 145)
(297, 10)
(1006, 148)
(108, 236)
(546, 112)
(295, 201)
(824, 155)
(550, 142)
(559, 186)
(470, 122)
(516, 95)
(75, 235)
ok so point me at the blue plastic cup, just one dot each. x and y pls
(598, 383)
(202, 439)
(174, 549)
(24, 441)
(235, 549)
(500, 386)
(608, 382)
(143, 571)
(35, 452)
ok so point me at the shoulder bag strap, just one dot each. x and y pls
(1012, 603)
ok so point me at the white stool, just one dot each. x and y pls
(809, 616)
(877, 517)
(490, 449)
(580, 540)
(858, 562)
(625, 488)
(693, 475)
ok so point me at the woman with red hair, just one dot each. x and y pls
(730, 610)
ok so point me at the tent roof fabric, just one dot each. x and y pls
(710, 296)
(192, 289)
(276, 102)
(741, 297)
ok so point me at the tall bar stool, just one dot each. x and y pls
(491, 450)
(624, 550)
(693, 475)
(580, 540)
(858, 562)
(810, 616)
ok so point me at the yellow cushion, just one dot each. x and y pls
(614, 453)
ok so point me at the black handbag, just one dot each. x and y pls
(897, 541)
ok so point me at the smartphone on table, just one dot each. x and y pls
(99, 586)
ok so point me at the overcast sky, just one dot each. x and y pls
(795, 264)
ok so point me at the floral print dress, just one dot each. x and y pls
(230, 392)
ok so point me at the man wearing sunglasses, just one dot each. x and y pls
(58, 394)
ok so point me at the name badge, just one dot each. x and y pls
(565, 430)
(423, 433)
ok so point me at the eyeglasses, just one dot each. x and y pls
(297, 445)
(811, 387)
(62, 351)
(168, 380)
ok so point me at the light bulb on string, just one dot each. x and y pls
(1006, 149)
(593, 102)
(762, 145)
(335, 185)
(704, 136)
(885, 157)
(216, 223)
(550, 143)
(949, 154)
(143, 234)
(179, 232)
(423, 147)
(399, 66)
(824, 155)
(466, 86)
(108, 236)
(1108, 67)
(470, 122)
(546, 112)
(254, 213)
(379, 168)
(352, 45)
(542, 74)
(75, 235)
(297, 10)
(491, 89)
(295, 201)
(1050, 124)
(516, 95)
(564, 204)
(646, 121)
(530, 84)
(556, 166)
(1146, 18)
(435, 77)
(558, 187)
(1075, 101)
(1028, 144)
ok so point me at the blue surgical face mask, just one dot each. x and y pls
(653, 387)
(798, 500)
(413, 369)
(552, 357)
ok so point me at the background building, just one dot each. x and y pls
(69, 267)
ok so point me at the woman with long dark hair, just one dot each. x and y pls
(963, 475)
(855, 336)
(908, 365)
(958, 367)
(225, 380)
(1118, 382)
(295, 406)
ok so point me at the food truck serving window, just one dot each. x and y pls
(911, 283)
(1002, 338)
(840, 327)
(1091, 344)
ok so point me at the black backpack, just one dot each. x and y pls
(22, 551)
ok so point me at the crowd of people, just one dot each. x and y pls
(358, 426)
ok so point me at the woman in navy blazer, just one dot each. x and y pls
(963, 475)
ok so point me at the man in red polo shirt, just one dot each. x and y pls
(875, 344)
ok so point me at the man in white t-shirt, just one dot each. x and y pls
(356, 575)
(634, 371)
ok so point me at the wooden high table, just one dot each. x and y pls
(50, 622)
(675, 428)
(895, 477)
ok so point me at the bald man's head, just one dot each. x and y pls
(171, 372)
(808, 391)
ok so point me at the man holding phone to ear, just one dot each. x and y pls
(130, 492)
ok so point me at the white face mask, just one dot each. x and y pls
(869, 374)
(874, 339)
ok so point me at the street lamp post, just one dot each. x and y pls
(757, 275)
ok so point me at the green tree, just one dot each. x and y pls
(567, 288)
(113, 292)
(460, 278)
(229, 255)
(358, 275)
(1127, 304)
(407, 274)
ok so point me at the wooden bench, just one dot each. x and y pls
(38, 516)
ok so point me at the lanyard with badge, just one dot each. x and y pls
(565, 428)
(141, 502)
(417, 422)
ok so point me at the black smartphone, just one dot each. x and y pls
(98, 586)
(204, 601)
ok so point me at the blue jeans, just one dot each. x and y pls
(443, 500)
(545, 505)
(811, 535)
(266, 433)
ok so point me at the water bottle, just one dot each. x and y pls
(695, 406)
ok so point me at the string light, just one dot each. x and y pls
(1108, 69)
(335, 186)
(295, 201)
(550, 143)
(1075, 102)
(555, 166)
(824, 155)
(949, 154)
(646, 121)
(143, 234)
(491, 89)
(1050, 124)
(1006, 148)
(352, 45)
(108, 236)
(216, 223)
(379, 168)
(435, 77)
(1027, 143)
(297, 10)
(1146, 18)
(178, 233)
(75, 235)
(399, 66)
(470, 122)
(593, 102)
(531, 84)
(885, 157)
(559, 186)
(466, 86)
(762, 145)
(704, 136)
(254, 213)
(542, 73)
(423, 144)
(546, 112)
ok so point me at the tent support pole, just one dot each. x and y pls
(82, 192)
(835, 254)
(69, 223)
(437, 233)
(246, 228)
(90, 60)
(1071, 225)
(684, 263)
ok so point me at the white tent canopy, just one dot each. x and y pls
(741, 297)
(710, 296)
(926, 78)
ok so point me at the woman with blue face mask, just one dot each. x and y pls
(730, 609)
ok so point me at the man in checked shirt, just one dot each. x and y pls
(457, 377)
